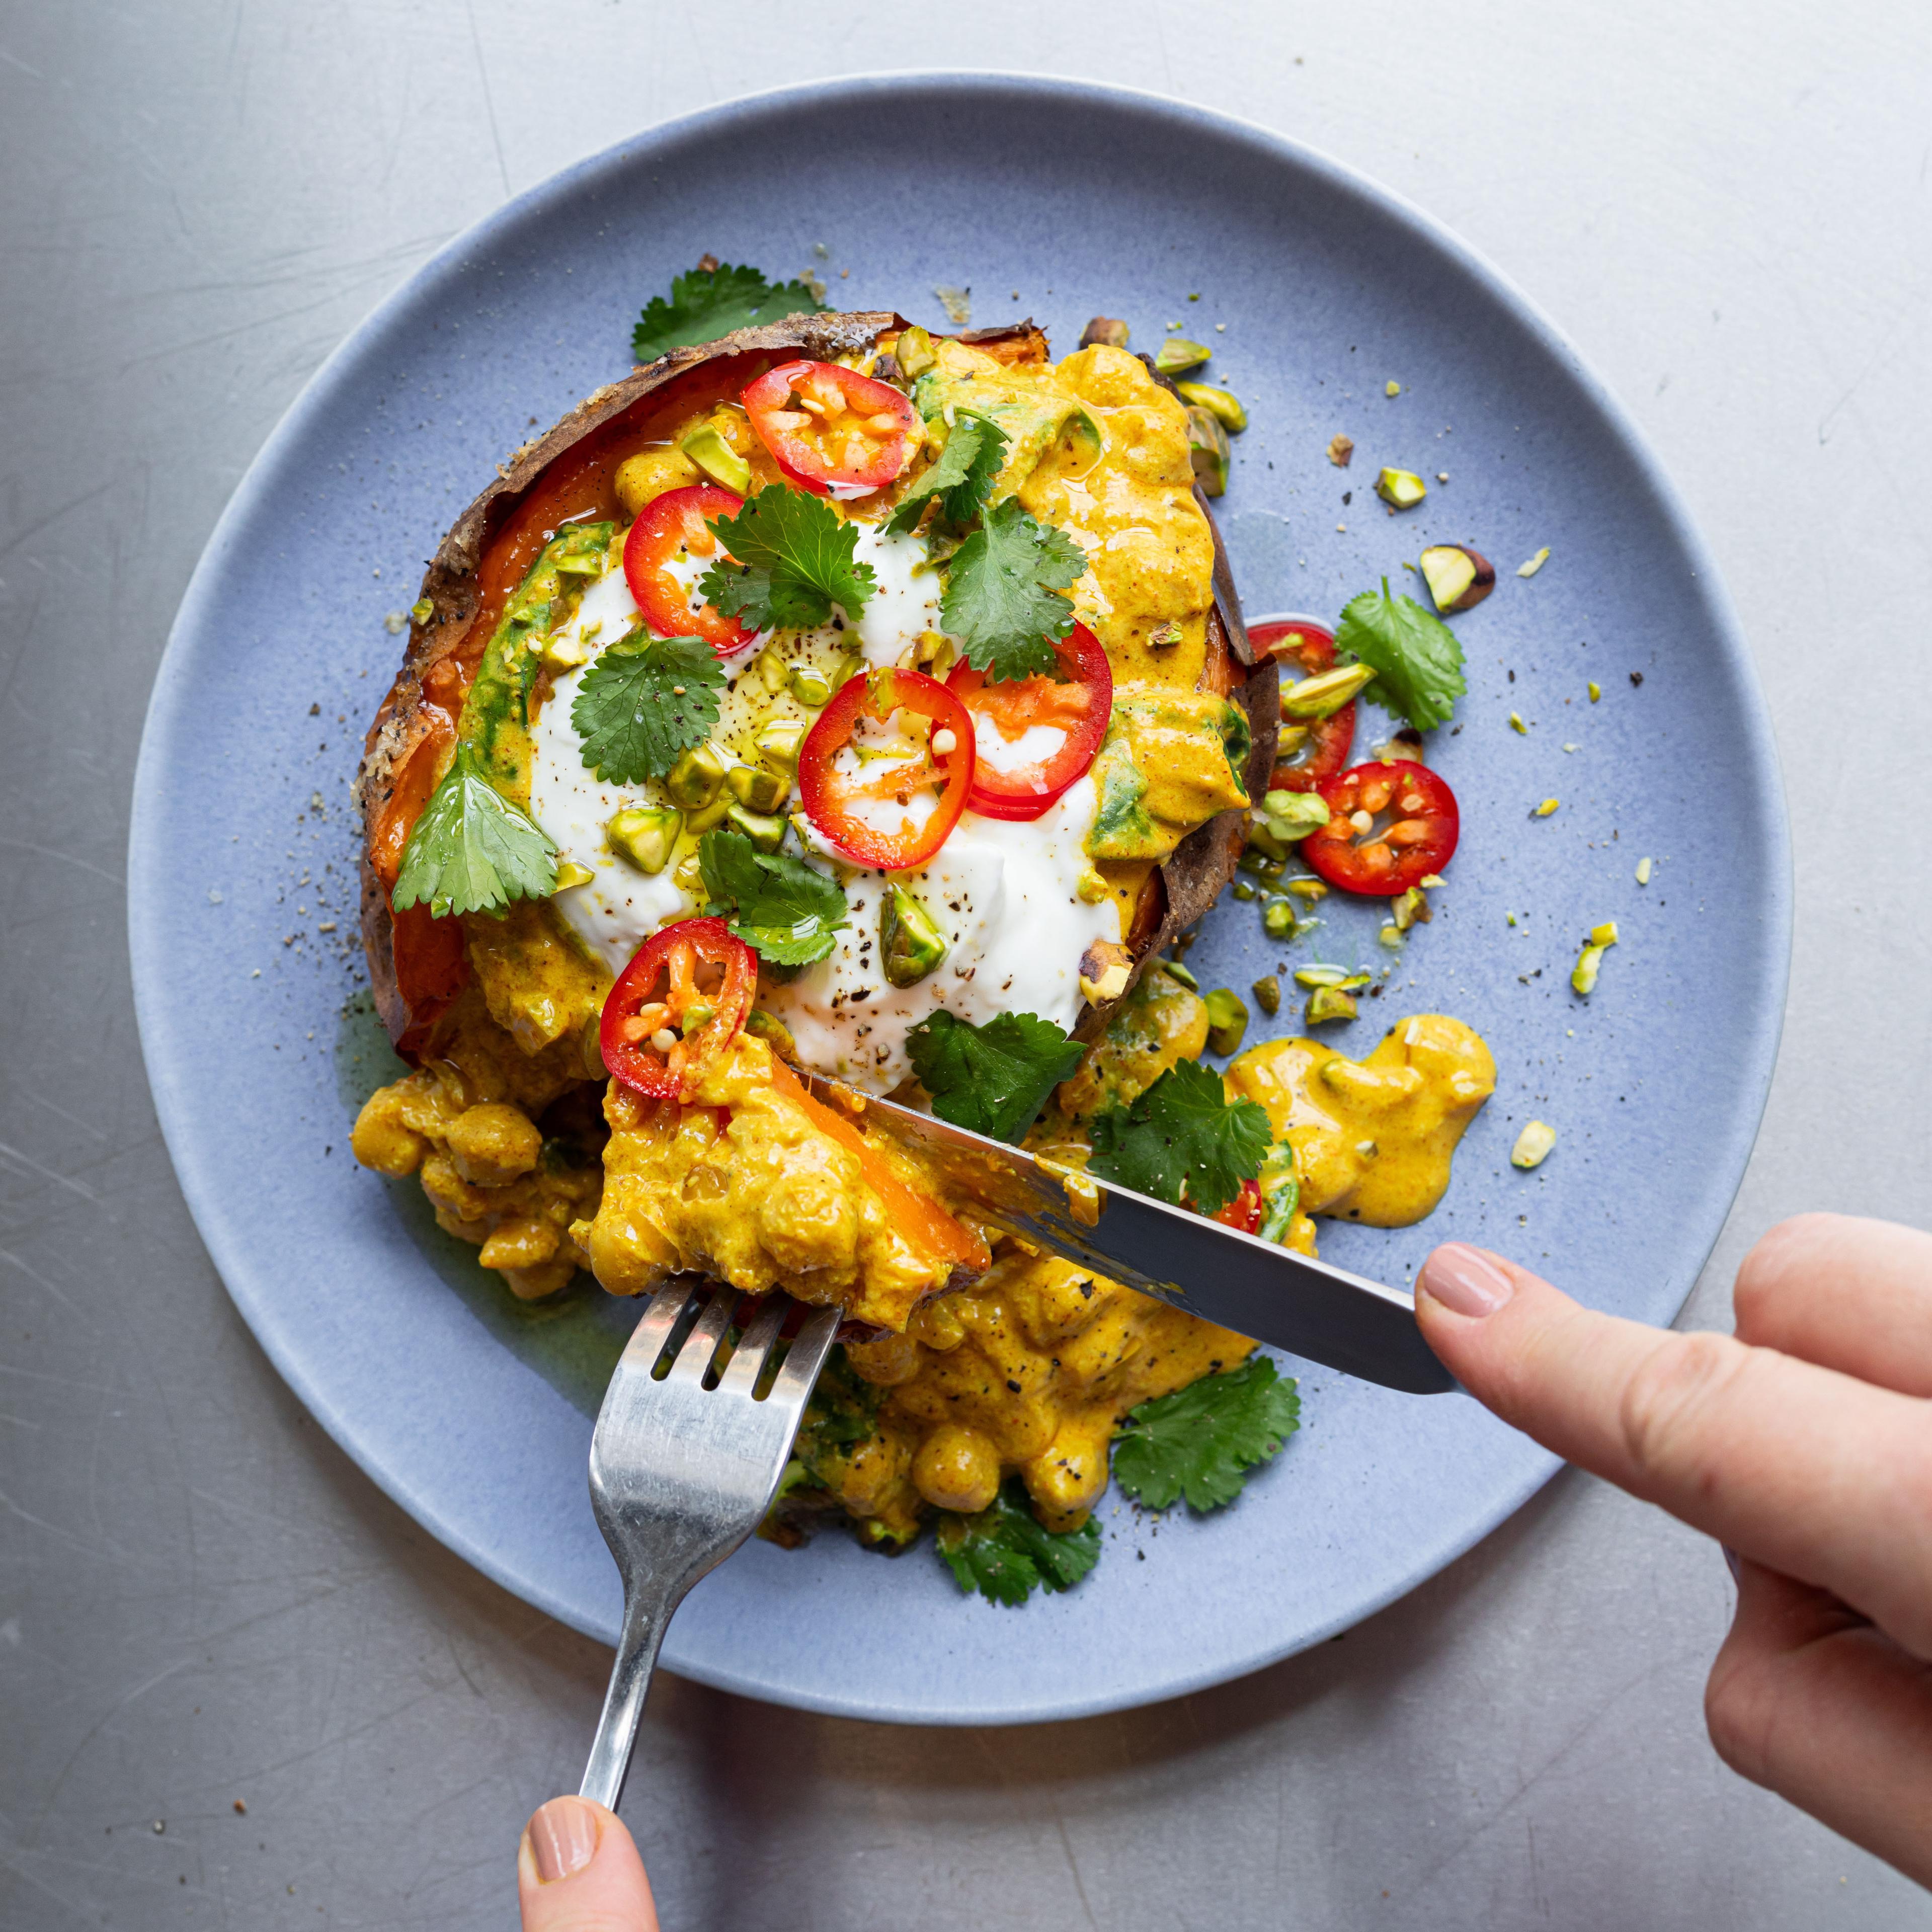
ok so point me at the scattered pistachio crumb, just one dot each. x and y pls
(1535, 563)
(1340, 448)
(1596, 690)
(1517, 725)
(1510, 916)
(1643, 871)
(1431, 880)
(1391, 388)
(1570, 747)
(1604, 934)
(1533, 1145)
(1220, 328)
(1548, 806)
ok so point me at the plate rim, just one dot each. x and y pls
(147, 895)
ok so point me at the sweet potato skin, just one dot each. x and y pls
(409, 741)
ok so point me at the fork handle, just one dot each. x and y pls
(646, 1617)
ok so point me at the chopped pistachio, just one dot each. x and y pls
(1222, 404)
(766, 831)
(1402, 488)
(777, 743)
(1340, 448)
(1583, 974)
(1410, 908)
(1227, 1020)
(809, 688)
(1176, 354)
(564, 651)
(773, 672)
(1535, 563)
(1330, 1003)
(1312, 890)
(758, 788)
(706, 447)
(1091, 888)
(1516, 724)
(1289, 739)
(1596, 690)
(644, 835)
(911, 945)
(1278, 919)
(1243, 890)
(1321, 976)
(689, 874)
(1533, 1145)
(1547, 806)
(1390, 936)
(1324, 694)
(421, 610)
(700, 818)
(1605, 934)
(1391, 388)
(1259, 863)
(569, 874)
(913, 352)
(699, 1013)
(1164, 637)
(1287, 816)
(1510, 916)
(697, 777)
(1267, 995)
(1643, 871)
(1207, 451)
(1175, 970)
(1430, 880)
(769, 1027)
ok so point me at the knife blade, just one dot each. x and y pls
(1257, 1288)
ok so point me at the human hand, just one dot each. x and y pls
(578, 1871)
(1804, 1445)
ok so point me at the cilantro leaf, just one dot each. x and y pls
(1417, 660)
(709, 302)
(1183, 1136)
(1004, 1554)
(1003, 600)
(472, 850)
(962, 475)
(785, 911)
(645, 700)
(793, 560)
(1200, 1441)
(991, 1079)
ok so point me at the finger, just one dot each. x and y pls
(1825, 1479)
(1847, 1294)
(1808, 1700)
(578, 1871)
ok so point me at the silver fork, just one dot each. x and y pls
(681, 1473)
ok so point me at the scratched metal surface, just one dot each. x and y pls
(201, 1602)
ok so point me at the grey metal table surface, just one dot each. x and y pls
(203, 1605)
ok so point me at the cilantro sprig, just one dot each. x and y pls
(472, 850)
(711, 302)
(646, 701)
(1004, 1554)
(991, 1079)
(1201, 1441)
(795, 557)
(961, 477)
(785, 911)
(1003, 597)
(1182, 1137)
(1417, 659)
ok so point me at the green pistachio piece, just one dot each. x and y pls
(697, 777)
(1207, 451)
(1175, 970)
(1402, 488)
(1223, 405)
(1533, 1145)
(1227, 1020)
(758, 788)
(1324, 694)
(913, 352)
(1330, 1003)
(1312, 890)
(1278, 919)
(1583, 974)
(1243, 890)
(809, 688)
(1176, 354)
(777, 743)
(706, 447)
(1290, 815)
(910, 944)
(1267, 995)
(644, 835)
(766, 831)
(1410, 908)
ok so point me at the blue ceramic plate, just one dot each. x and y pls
(1316, 290)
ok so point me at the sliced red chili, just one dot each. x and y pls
(1244, 1212)
(1306, 762)
(831, 431)
(671, 530)
(1033, 736)
(677, 1006)
(1390, 825)
(881, 811)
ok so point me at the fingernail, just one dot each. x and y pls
(1465, 1281)
(563, 1838)
(1731, 1561)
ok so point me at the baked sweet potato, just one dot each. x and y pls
(417, 964)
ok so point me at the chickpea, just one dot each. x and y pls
(885, 1360)
(957, 1469)
(533, 1284)
(807, 1221)
(379, 1139)
(648, 475)
(493, 1144)
(521, 1241)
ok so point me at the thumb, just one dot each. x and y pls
(578, 1871)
